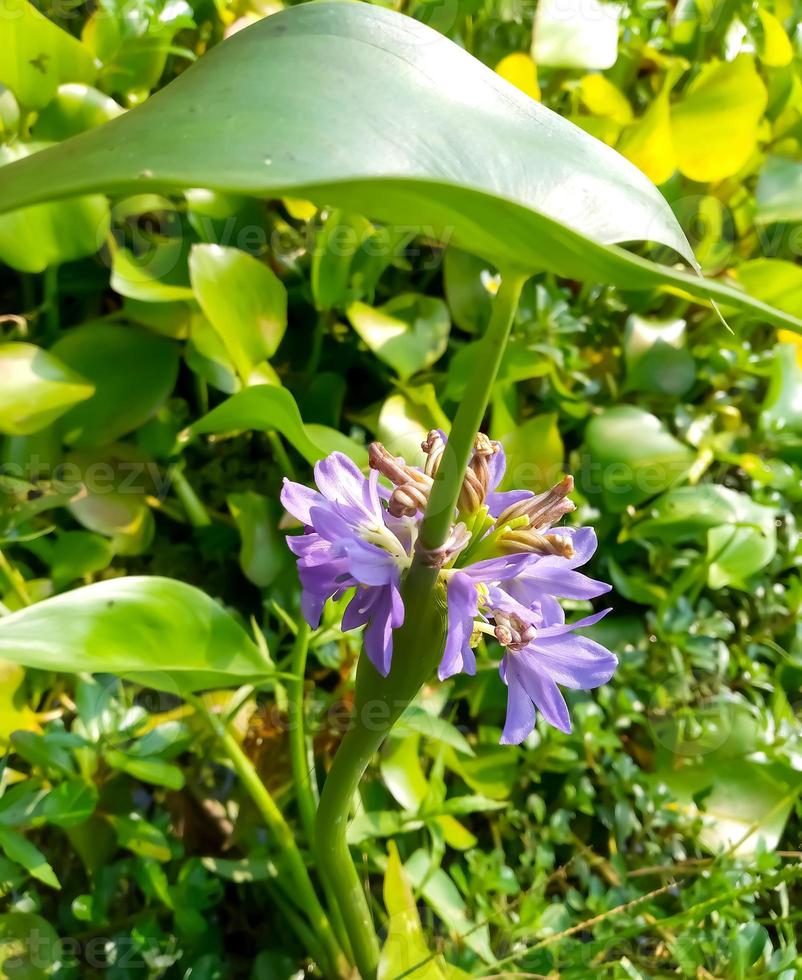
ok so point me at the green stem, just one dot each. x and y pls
(303, 769)
(280, 454)
(281, 832)
(50, 302)
(417, 646)
(443, 498)
(303, 763)
(197, 514)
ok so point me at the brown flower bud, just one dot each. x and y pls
(544, 509)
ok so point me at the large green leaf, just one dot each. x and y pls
(133, 372)
(35, 388)
(38, 55)
(436, 139)
(244, 301)
(152, 630)
(266, 407)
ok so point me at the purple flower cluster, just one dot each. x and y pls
(504, 568)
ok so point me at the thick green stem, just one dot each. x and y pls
(443, 498)
(334, 965)
(417, 645)
(379, 701)
(303, 771)
(303, 763)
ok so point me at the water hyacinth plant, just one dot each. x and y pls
(503, 567)
(434, 562)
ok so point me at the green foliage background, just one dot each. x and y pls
(661, 838)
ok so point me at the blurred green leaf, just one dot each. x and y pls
(20, 850)
(133, 373)
(156, 631)
(410, 332)
(36, 388)
(633, 456)
(38, 55)
(265, 407)
(244, 301)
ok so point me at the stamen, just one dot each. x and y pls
(477, 477)
(543, 510)
(433, 446)
(412, 487)
(538, 544)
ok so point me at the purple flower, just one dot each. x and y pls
(347, 545)
(541, 658)
(504, 567)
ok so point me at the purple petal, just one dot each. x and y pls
(458, 655)
(559, 630)
(541, 689)
(498, 569)
(340, 480)
(370, 564)
(383, 610)
(576, 662)
(498, 502)
(520, 718)
(555, 575)
(496, 466)
(297, 500)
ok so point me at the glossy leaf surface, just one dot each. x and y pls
(556, 199)
(157, 631)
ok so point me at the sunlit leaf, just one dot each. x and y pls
(405, 946)
(715, 124)
(36, 388)
(410, 332)
(19, 849)
(35, 237)
(38, 55)
(15, 714)
(152, 630)
(74, 109)
(444, 176)
(520, 70)
(265, 407)
(776, 49)
(244, 301)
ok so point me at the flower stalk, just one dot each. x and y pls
(418, 644)
(326, 948)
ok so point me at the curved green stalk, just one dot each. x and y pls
(417, 646)
(443, 498)
(334, 963)
(303, 770)
(303, 764)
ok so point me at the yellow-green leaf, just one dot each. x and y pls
(648, 142)
(602, 98)
(35, 388)
(776, 50)
(715, 124)
(520, 70)
(38, 55)
(244, 301)
(405, 952)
